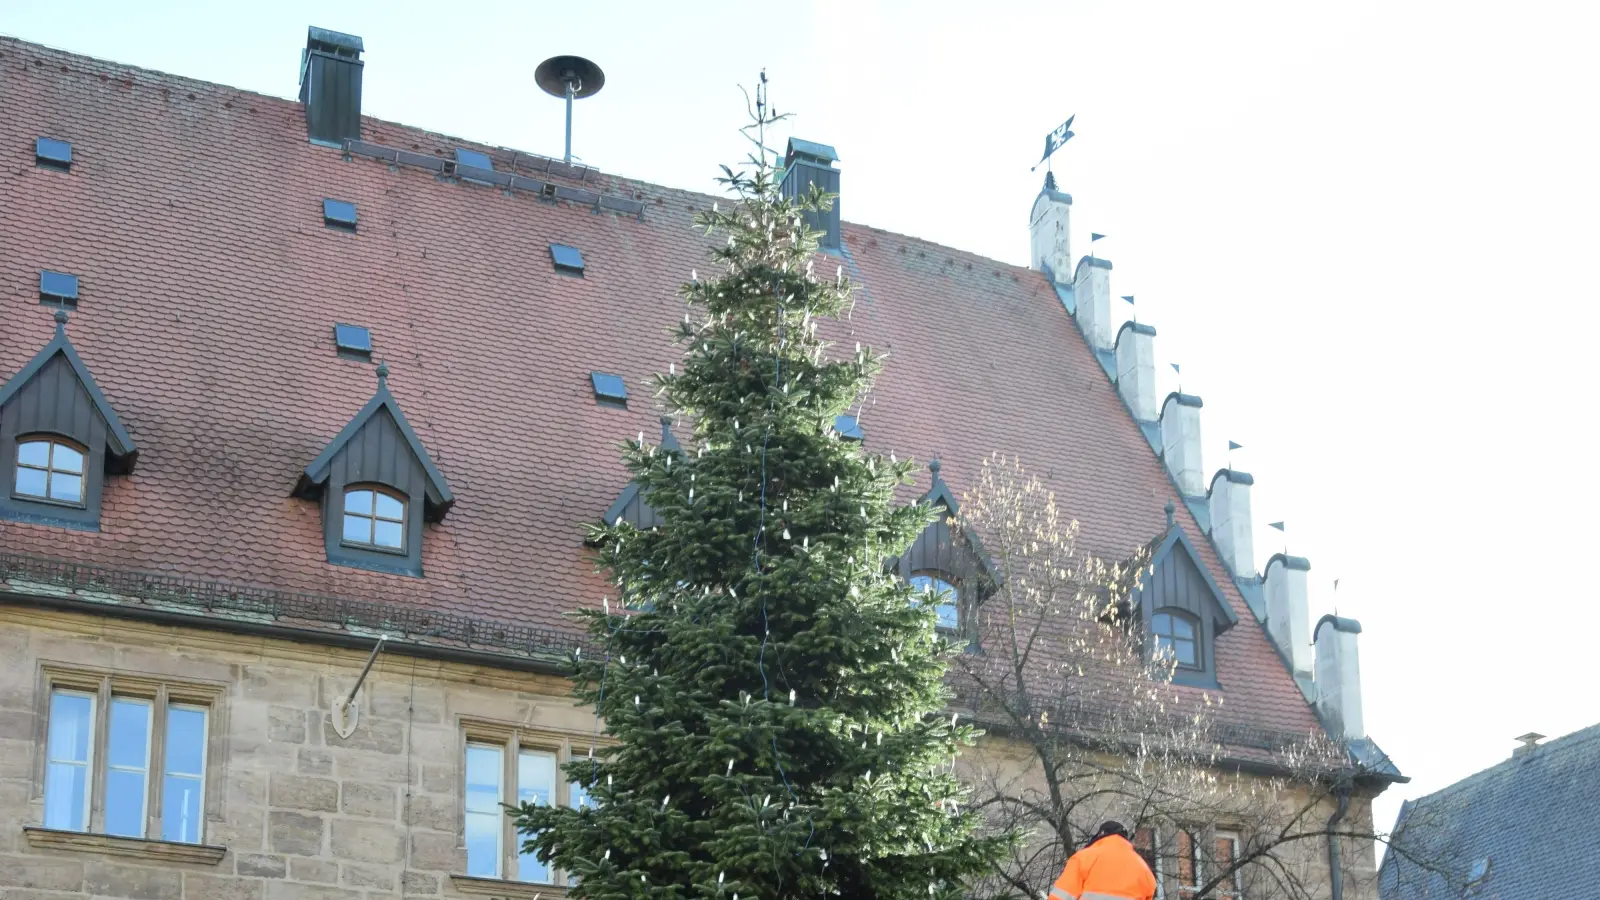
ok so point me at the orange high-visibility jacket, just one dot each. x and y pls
(1108, 869)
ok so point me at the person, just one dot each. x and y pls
(1107, 868)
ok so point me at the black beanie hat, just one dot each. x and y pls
(1109, 828)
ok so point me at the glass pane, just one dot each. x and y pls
(1182, 627)
(943, 588)
(180, 809)
(34, 453)
(1161, 623)
(186, 740)
(67, 459)
(949, 615)
(387, 534)
(389, 507)
(483, 778)
(1186, 653)
(921, 583)
(129, 747)
(358, 502)
(357, 529)
(483, 844)
(30, 482)
(125, 802)
(66, 488)
(66, 788)
(536, 782)
(69, 726)
(577, 797)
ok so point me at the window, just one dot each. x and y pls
(1174, 634)
(1144, 841)
(473, 158)
(849, 427)
(374, 519)
(568, 260)
(511, 766)
(49, 470)
(58, 289)
(50, 153)
(945, 597)
(1225, 853)
(126, 758)
(1188, 851)
(609, 389)
(352, 341)
(339, 214)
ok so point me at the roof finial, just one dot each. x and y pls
(61, 320)
(1172, 516)
(666, 427)
(933, 467)
(383, 374)
(1049, 180)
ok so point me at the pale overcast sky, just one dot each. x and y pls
(1365, 230)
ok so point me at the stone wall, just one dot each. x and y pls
(302, 813)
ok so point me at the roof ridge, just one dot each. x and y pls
(1509, 765)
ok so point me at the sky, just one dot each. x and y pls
(1364, 229)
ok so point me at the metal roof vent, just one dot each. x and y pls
(1530, 743)
(50, 153)
(58, 289)
(568, 260)
(339, 214)
(609, 389)
(352, 341)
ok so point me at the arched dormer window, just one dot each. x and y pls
(942, 592)
(60, 439)
(377, 485)
(49, 469)
(1176, 634)
(374, 519)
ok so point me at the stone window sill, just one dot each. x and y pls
(156, 851)
(499, 887)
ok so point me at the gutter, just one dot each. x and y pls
(351, 640)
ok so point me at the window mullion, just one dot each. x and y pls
(156, 775)
(98, 756)
(510, 859)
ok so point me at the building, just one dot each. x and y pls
(1521, 828)
(279, 380)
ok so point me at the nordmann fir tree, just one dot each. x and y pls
(776, 698)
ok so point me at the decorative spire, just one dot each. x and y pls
(1172, 511)
(934, 467)
(383, 375)
(61, 320)
(666, 428)
(1049, 180)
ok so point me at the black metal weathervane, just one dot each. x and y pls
(1052, 143)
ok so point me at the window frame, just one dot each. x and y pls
(1219, 835)
(1198, 637)
(377, 490)
(511, 741)
(941, 576)
(160, 695)
(53, 440)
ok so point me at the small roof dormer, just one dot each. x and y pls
(59, 438)
(630, 505)
(377, 485)
(946, 553)
(1181, 607)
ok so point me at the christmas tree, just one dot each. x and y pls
(775, 695)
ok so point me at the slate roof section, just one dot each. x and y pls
(194, 205)
(1532, 816)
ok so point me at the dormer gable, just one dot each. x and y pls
(1182, 608)
(630, 505)
(947, 554)
(59, 438)
(377, 485)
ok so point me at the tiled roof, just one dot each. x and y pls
(193, 216)
(1533, 817)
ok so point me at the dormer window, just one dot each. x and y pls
(939, 590)
(377, 486)
(374, 519)
(59, 440)
(49, 470)
(1176, 635)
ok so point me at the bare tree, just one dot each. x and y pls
(1091, 727)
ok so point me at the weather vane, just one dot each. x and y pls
(1053, 142)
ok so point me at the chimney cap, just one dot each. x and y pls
(1339, 623)
(1531, 739)
(332, 40)
(1183, 400)
(1136, 328)
(811, 151)
(1237, 477)
(1290, 562)
(1098, 262)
